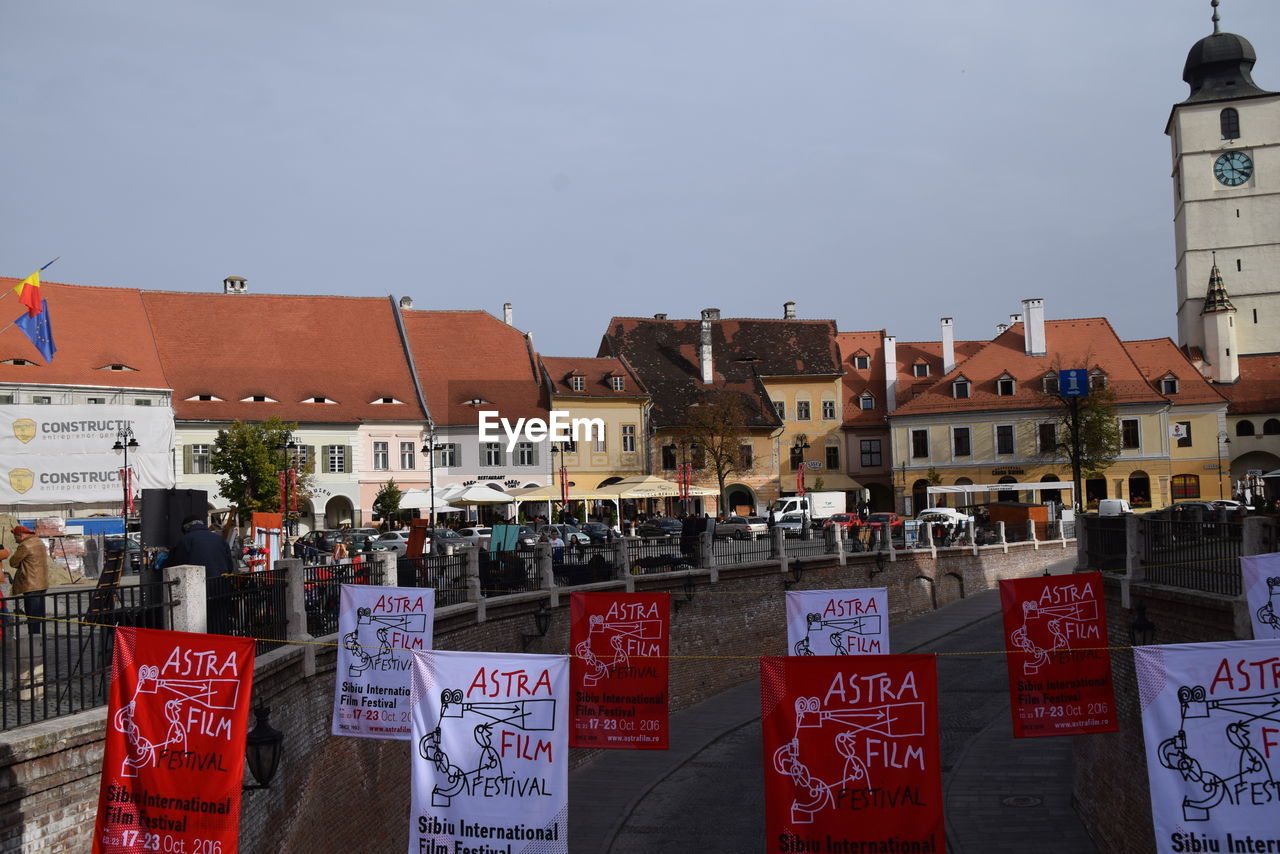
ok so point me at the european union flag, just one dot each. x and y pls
(38, 330)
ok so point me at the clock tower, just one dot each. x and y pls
(1226, 199)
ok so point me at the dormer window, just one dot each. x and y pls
(920, 369)
(862, 361)
(319, 399)
(1169, 384)
(960, 388)
(1050, 383)
(866, 401)
(383, 400)
(258, 398)
(21, 362)
(617, 383)
(116, 366)
(1005, 386)
(1097, 379)
(204, 397)
(578, 383)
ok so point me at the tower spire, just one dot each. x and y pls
(1216, 18)
(1216, 299)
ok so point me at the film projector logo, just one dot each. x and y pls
(24, 429)
(21, 479)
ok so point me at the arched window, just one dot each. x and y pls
(1244, 428)
(1271, 428)
(1139, 489)
(1230, 121)
(1185, 486)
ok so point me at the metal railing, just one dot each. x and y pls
(65, 667)
(509, 572)
(322, 592)
(586, 564)
(446, 574)
(752, 550)
(657, 554)
(800, 547)
(249, 605)
(1191, 554)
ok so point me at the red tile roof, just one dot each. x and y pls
(1257, 391)
(872, 379)
(1158, 358)
(596, 374)
(289, 348)
(93, 327)
(472, 355)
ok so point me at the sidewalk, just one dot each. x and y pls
(1001, 793)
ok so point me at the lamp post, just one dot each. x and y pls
(429, 447)
(684, 472)
(1223, 439)
(124, 442)
(798, 448)
(289, 484)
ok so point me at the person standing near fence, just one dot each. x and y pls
(30, 562)
(201, 547)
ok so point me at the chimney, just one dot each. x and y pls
(704, 346)
(1001, 327)
(406, 303)
(506, 313)
(788, 310)
(235, 285)
(948, 345)
(1015, 318)
(1033, 329)
(890, 373)
(660, 316)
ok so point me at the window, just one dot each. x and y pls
(199, 459)
(1244, 428)
(304, 458)
(526, 454)
(1097, 379)
(1050, 383)
(41, 399)
(862, 362)
(797, 458)
(319, 399)
(668, 457)
(960, 445)
(833, 457)
(1047, 438)
(628, 438)
(98, 400)
(866, 401)
(1129, 435)
(1185, 486)
(919, 443)
(336, 459)
(600, 444)
(1169, 385)
(828, 410)
(1229, 119)
(570, 446)
(1184, 434)
(578, 383)
(745, 457)
(204, 397)
(408, 456)
(802, 410)
(920, 369)
(618, 383)
(6, 398)
(1004, 439)
(960, 389)
(780, 407)
(256, 398)
(491, 454)
(1271, 427)
(447, 456)
(384, 400)
(1005, 386)
(142, 401)
(381, 456)
(870, 452)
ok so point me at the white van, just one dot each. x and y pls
(1113, 507)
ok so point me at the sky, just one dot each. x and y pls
(883, 163)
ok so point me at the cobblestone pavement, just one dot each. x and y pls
(706, 794)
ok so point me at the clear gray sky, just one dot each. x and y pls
(883, 163)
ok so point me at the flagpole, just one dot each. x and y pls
(15, 290)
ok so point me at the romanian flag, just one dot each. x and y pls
(28, 291)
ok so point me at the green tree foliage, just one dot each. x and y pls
(387, 502)
(247, 456)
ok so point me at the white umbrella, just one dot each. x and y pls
(479, 495)
(420, 499)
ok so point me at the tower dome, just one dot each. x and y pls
(1219, 67)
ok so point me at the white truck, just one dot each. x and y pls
(818, 506)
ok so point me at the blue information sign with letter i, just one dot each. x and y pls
(1073, 383)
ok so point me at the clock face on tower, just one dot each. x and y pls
(1233, 168)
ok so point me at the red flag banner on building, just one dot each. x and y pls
(851, 757)
(618, 672)
(1059, 668)
(173, 763)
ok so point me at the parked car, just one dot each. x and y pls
(943, 516)
(598, 532)
(113, 546)
(743, 527)
(396, 541)
(1206, 507)
(569, 533)
(475, 536)
(792, 524)
(443, 538)
(876, 521)
(357, 540)
(848, 521)
(1228, 504)
(661, 526)
(526, 538)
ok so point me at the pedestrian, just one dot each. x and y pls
(201, 547)
(772, 520)
(30, 562)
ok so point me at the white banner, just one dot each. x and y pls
(1211, 722)
(838, 622)
(379, 627)
(1262, 592)
(490, 763)
(62, 454)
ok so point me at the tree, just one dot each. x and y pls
(718, 427)
(387, 502)
(1087, 434)
(248, 456)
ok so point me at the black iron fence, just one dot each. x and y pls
(509, 572)
(729, 551)
(657, 554)
(1105, 542)
(446, 574)
(61, 664)
(1192, 554)
(249, 605)
(584, 563)
(322, 592)
(801, 547)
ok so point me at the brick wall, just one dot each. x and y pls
(334, 794)
(1110, 789)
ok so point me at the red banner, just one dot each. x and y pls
(1059, 669)
(851, 757)
(618, 673)
(173, 764)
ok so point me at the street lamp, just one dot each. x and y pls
(798, 448)
(124, 442)
(684, 471)
(429, 448)
(289, 483)
(1223, 439)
